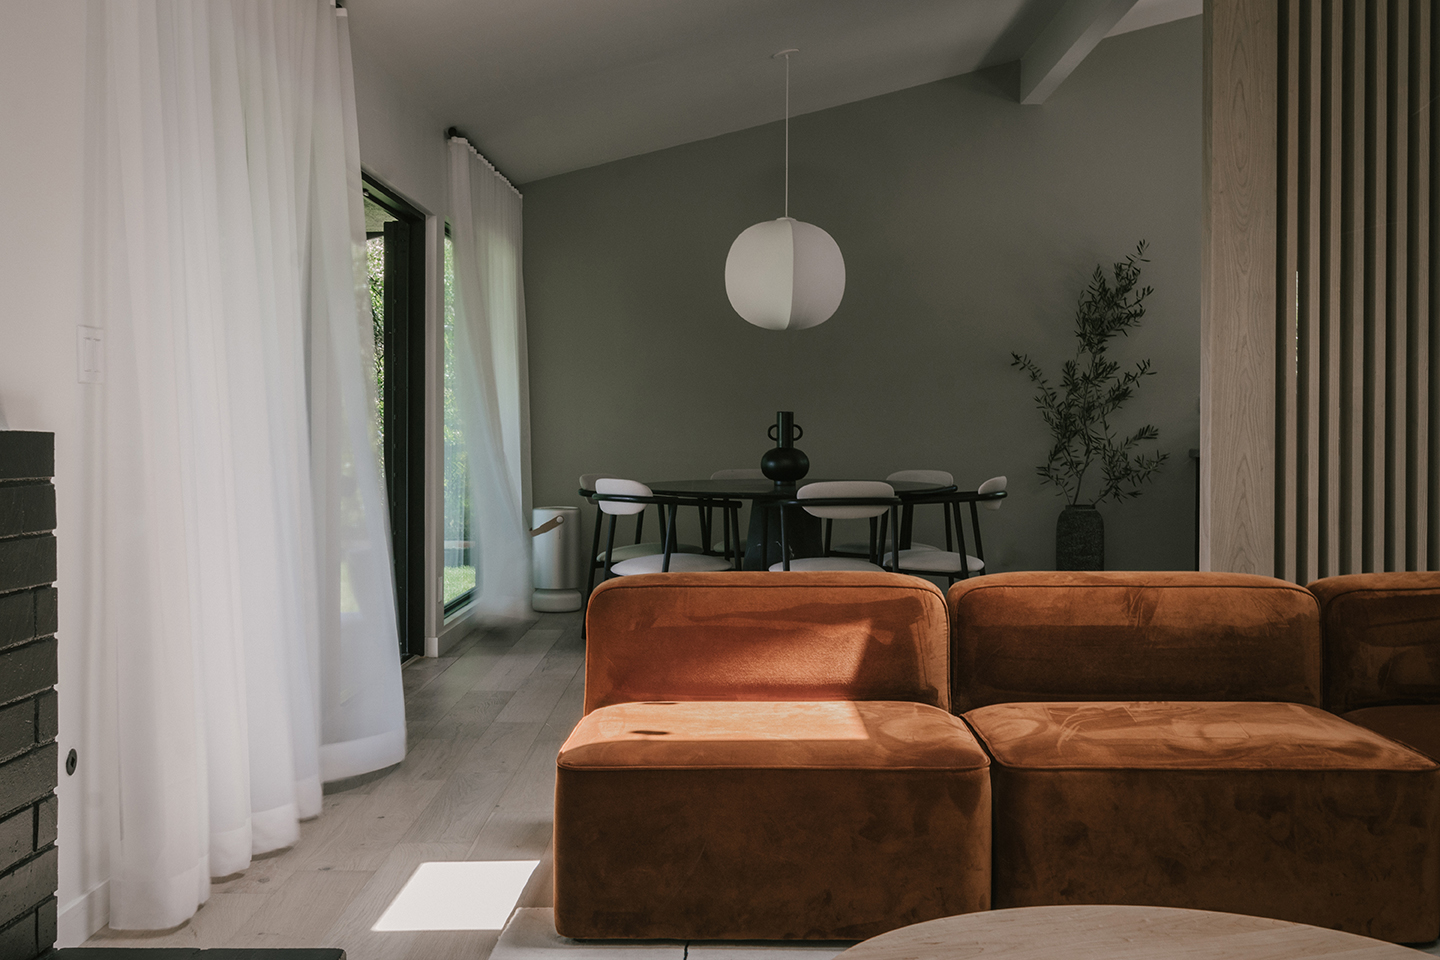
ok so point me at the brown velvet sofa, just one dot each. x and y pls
(768, 756)
(1157, 738)
(1382, 653)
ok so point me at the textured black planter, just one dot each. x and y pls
(1080, 538)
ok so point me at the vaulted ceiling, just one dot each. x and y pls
(543, 87)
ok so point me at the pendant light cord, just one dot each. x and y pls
(787, 135)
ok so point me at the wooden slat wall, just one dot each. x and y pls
(1357, 442)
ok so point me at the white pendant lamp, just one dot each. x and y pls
(785, 274)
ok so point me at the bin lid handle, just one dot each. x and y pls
(548, 525)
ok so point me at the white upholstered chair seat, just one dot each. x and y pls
(679, 563)
(864, 548)
(935, 561)
(632, 550)
(828, 564)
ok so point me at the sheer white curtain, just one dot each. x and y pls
(494, 385)
(248, 599)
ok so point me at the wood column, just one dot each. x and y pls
(1238, 287)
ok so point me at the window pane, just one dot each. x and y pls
(459, 569)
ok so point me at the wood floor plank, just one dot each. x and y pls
(369, 832)
(536, 699)
(469, 795)
(352, 931)
(471, 714)
(302, 910)
(218, 920)
(522, 660)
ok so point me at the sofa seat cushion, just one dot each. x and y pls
(1272, 809)
(1415, 725)
(768, 820)
(815, 734)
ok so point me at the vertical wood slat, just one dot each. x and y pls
(1433, 314)
(1331, 332)
(1373, 428)
(1396, 308)
(1352, 307)
(1289, 508)
(1417, 407)
(1309, 315)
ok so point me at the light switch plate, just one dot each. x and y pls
(90, 354)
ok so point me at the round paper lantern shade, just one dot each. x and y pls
(785, 275)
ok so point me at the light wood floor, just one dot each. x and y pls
(485, 724)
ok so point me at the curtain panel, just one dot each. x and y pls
(492, 367)
(247, 596)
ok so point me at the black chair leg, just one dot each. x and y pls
(609, 547)
(784, 543)
(975, 527)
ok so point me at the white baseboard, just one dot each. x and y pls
(82, 917)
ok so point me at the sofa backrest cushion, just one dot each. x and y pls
(766, 636)
(1132, 636)
(1381, 633)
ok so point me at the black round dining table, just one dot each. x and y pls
(804, 531)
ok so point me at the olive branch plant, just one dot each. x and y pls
(1092, 388)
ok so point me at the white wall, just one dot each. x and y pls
(42, 124)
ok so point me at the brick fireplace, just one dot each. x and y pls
(29, 756)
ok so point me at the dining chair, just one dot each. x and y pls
(617, 497)
(939, 478)
(951, 563)
(626, 551)
(844, 500)
(722, 546)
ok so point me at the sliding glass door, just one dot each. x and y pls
(395, 248)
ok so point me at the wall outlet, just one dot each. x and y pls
(90, 354)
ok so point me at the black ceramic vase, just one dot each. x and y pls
(784, 463)
(1080, 538)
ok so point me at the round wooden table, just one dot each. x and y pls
(1119, 933)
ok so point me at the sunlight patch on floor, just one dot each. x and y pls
(458, 895)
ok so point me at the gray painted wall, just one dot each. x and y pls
(969, 225)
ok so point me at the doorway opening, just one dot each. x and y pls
(395, 257)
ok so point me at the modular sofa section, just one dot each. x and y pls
(768, 820)
(768, 756)
(1275, 809)
(1156, 739)
(1382, 653)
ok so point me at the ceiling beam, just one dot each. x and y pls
(1066, 40)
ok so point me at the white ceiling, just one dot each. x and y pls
(547, 86)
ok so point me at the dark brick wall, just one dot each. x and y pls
(29, 756)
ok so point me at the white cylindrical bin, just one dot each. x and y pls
(556, 559)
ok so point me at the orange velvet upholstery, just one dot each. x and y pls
(766, 636)
(1382, 639)
(1132, 636)
(1273, 809)
(1416, 725)
(768, 820)
(1155, 740)
(768, 756)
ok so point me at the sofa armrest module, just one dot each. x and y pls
(1132, 636)
(766, 636)
(1382, 639)
(1273, 809)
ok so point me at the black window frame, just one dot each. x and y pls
(404, 415)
